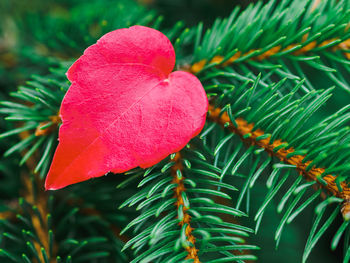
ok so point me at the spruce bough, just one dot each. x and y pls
(274, 149)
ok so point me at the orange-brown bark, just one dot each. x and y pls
(198, 66)
(243, 128)
(192, 251)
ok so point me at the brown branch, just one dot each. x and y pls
(315, 4)
(7, 215)
(314, 174)
(41, 201)
(192, 251)
(39, 221)
(55, 120)
(38, 198)
(198, 66)
(13, 209)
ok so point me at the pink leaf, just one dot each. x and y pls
(125, 108)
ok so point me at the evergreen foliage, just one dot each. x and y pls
(274, 154)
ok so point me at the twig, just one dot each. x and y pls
(198, 66)
(180, 188)
(38, 198)
(314, 174)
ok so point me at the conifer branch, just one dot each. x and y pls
(245, 131)
(47, 127)
(178, 214)
(10, 214)
(7, 215)
(39, 221)
(177, 220)
(220, 61)
(179, 189)
(38, 199)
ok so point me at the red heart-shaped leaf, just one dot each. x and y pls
(125, 108)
